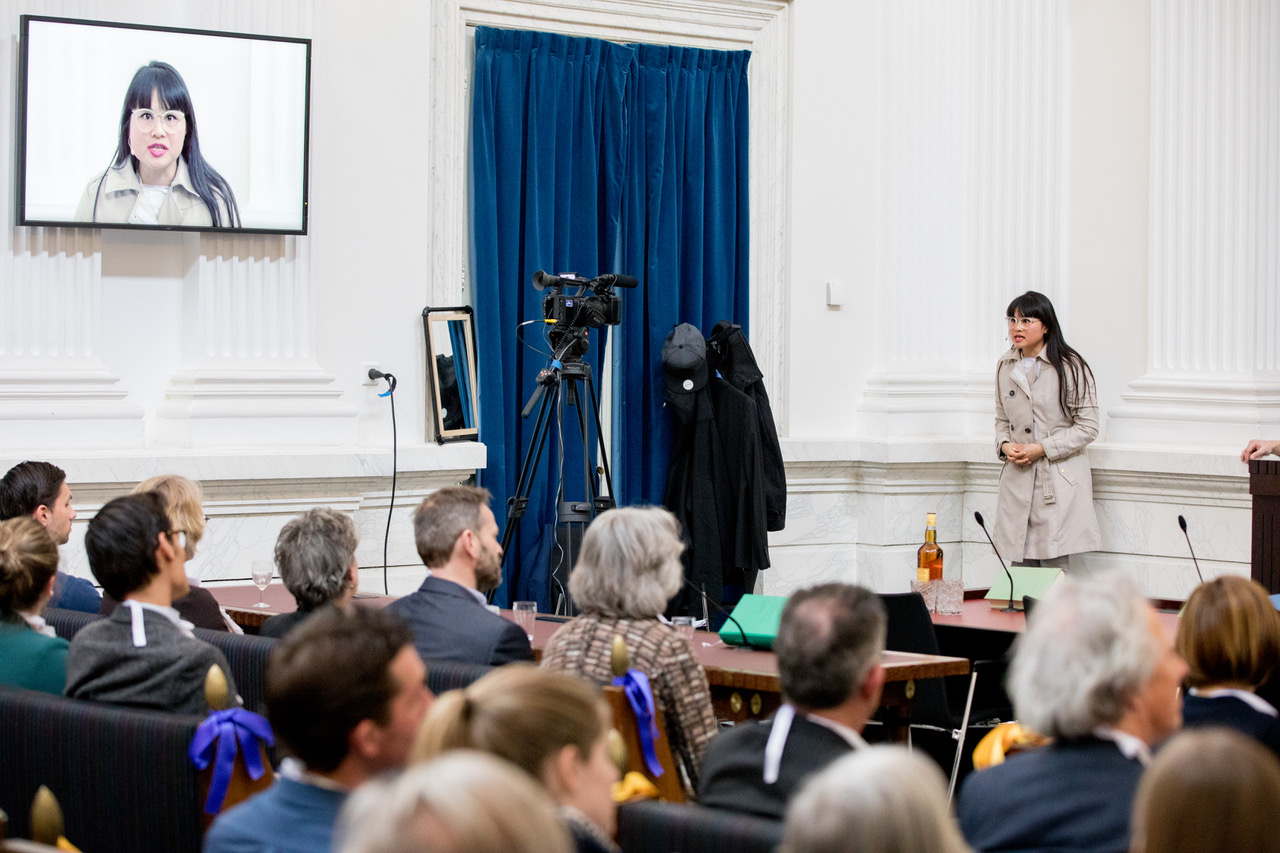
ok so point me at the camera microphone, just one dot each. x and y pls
(610, 279)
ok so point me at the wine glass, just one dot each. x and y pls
(262, 572)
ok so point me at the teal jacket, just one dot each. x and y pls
(32, 660)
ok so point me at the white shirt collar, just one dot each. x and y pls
(781, 728)
(1253, 700)
(293, 769)
(1130, 746)
(37, 623)
(140, 631)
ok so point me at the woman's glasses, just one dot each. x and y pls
(1021, 322)
(171, 120)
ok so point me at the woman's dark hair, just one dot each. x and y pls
(167, 83)
(1037, 306)
(121, 542)
(28, 558)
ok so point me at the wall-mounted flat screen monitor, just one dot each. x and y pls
(129, 126)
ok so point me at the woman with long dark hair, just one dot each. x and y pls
(1046, 414)
(158, 175)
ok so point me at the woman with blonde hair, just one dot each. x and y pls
(183, 504)
(1229, 635)
(881, 799)
(463, 802)
(553, 726)
(31, 655)
(1211, 789)
(628, 569)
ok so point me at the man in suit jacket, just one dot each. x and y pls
(829, 645)
(457, 538)
(143, 655)
(345, 694)
(40, 490)
(1097, 672)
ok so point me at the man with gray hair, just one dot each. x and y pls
(1096, 672)
(457, 538)
(316, 557)
(829, 648)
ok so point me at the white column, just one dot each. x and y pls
(973, 196)
(1213, 369)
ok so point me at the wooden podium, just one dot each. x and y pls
(1264, 485)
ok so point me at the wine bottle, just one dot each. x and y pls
(929, 557)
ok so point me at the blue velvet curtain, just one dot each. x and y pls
(593, 157)
(462, 369)
(685, 236)
(548, 121)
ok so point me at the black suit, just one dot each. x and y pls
(449, 624)
(733, 770)
(1232, 713)
(1071, 796)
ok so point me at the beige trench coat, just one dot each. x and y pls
(1044, 511)
(117, 192)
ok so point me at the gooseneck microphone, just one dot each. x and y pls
(1182, 522)
(375, 374)
(1009, 608)
(717, 606)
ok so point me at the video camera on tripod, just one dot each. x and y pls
(595, 304)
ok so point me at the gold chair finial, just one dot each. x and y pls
(620, 657)
(46, 817)
(216, 690)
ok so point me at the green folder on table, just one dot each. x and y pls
(1027, 580)
(759, 616)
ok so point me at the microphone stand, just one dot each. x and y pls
(726, 613)
(1009, 608)
(1182, 522)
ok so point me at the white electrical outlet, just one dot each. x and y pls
(835, 294)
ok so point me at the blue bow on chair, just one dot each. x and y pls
(635, 684)
(222, 730)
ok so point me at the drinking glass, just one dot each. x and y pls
(683, 624)
(929, 591)
(525, 613)
(262, 572)
(950, 596)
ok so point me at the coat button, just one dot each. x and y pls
(1011, 393)
(1026, 430)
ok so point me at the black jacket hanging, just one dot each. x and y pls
(730, 353)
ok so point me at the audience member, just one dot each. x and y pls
(182, 501)
(457, 538)
(881, 799)
(345, 695)
(316, 558)
(142, 655)
(31, 655)
(553, 726)
(39, 489)
(1229, 635)
(830, 642)
(1209, 789)
(1096, 672)
(628, 568)
(463, 802)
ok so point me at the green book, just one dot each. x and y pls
(1027, 580)
(759, 616)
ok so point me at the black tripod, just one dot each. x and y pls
(561, 383)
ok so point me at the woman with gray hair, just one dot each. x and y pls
(316, 557)
(628, 569)
(879, 799)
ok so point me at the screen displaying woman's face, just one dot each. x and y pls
(156, 138)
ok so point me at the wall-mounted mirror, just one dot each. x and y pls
(451, 373)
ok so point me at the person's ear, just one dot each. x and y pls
(561, 771)
(365, 739)
(873, 684)
(354, 574)
(469, 543)
(42, 515)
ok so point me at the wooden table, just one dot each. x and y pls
(744, 682)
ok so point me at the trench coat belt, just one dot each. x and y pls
(1046, 479)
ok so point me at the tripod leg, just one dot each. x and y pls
(587, 471)
(518, 501)
(595, 413)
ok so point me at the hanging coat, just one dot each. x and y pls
(731, 355)
(1046, 510)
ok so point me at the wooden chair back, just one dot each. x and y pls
(624, 720)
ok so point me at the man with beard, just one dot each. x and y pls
(457, 538)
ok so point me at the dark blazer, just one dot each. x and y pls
(1071, 796)
(449, 624)
(73, 593)
(1232, 713)
(733, 770)
(282, 623)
